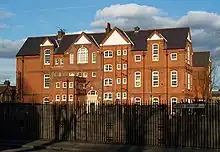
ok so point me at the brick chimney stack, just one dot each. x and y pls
(108, 28)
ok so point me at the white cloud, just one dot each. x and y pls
(205, 26)
(9, 48)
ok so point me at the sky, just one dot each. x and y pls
(24, 18)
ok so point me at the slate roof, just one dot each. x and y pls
(200, 59)
(176, 38)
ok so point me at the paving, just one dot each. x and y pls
(49, 146)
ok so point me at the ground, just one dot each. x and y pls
(48, 146)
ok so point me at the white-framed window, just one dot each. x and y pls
(173, 56)
(71, 58)
(61, 61)
(124, 80)
(137, 79)
(70, 97)
(125, 66)
(137, 58)
(64, 85)
(63, 97)
(108, 54)
(155, 52)
(118, 66)
(155, 79)
(71, 74)
(108, 68)
(188, 81)
(155, 100)
(70, 84)
(93, 57)
(46, 80)
(137, 100)
(79, 74)
(118, 80)
(85, 74)
(174, 79)
(57, 98)
(46, 100)
(124, 95)
(47, 57)
(107, 82)
(92, 92)
(93, 74)
(56, 61)
(118, 95)
(125, 52)
(57, 84)
(108, 96)
(118, 52)
(82, 55)
(174, 100)
(188, 55)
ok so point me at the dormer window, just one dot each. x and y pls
(47, 57)
(155, 52)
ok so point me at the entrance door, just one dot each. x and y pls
(92, 100)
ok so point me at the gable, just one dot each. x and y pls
(189, 37)
(47, 43)
(115, 39)
(156, 36)
(82, 40)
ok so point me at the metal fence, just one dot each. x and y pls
(151, 125)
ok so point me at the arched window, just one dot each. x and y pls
(155, 52)
(155, 100)
(46, 100)
(82, 55)
(47, 57)
(92, 92)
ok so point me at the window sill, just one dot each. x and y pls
(137, 86)
(155, 86)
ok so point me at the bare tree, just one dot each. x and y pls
(208, 80)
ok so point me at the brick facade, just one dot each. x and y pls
(33, 68)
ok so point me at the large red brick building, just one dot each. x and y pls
(136, 66)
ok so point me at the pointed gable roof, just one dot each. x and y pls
(156, 36)
(176, 39)
(83, 38)
(116, 37)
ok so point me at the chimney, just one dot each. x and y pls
(136, 29)
(60, 34)
(108, 28)
(7, 83)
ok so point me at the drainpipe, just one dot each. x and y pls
(22, 81)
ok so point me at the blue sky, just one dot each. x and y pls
(23, 18)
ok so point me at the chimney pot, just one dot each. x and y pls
(136, 29)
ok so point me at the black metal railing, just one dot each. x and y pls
(119, 124)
